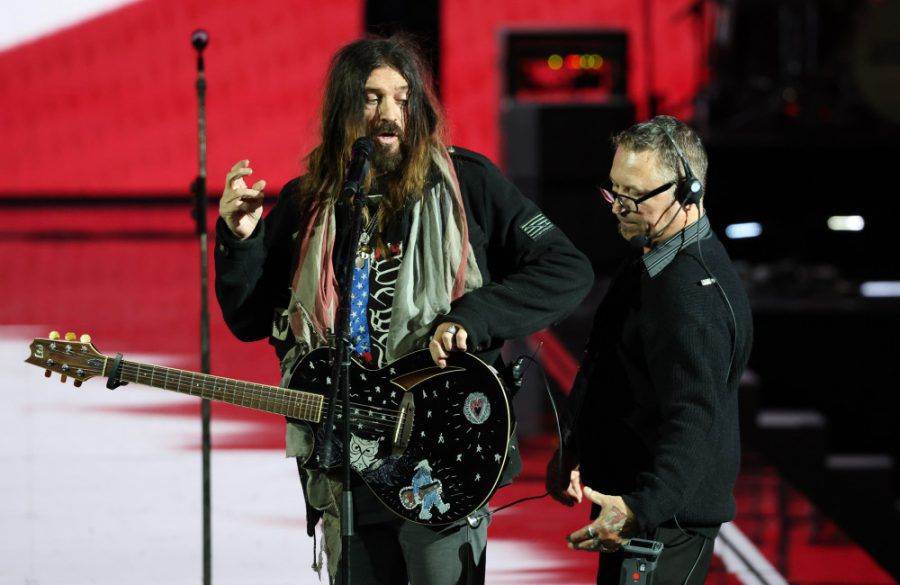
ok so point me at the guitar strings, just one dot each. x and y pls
(285, 398)
(282, 395)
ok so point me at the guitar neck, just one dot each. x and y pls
(305, 406)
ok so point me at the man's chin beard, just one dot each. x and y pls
(384, 161)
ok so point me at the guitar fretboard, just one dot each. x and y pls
(297, 404)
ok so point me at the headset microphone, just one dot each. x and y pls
(642, 241)
(639, 242)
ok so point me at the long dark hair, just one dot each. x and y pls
(343, 120)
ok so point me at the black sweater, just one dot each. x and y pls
(653, 414)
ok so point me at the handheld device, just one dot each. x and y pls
(640, 561)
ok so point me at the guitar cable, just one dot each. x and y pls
(517, 372)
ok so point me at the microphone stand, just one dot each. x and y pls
(199, 39)
(340, 383)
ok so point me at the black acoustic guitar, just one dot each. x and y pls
(429, 442)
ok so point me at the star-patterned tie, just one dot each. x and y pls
(359, 302)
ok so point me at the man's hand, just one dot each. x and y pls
(241, 207)
(613, 527)
(563, 479)
(447, 337)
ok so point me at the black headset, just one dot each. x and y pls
(689, 189)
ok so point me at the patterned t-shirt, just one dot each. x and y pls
(383, 271)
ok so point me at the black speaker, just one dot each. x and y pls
(558, 154)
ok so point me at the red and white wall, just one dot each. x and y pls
(99, 102)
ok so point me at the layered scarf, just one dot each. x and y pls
(438, 267)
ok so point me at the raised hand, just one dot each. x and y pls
(240, 206)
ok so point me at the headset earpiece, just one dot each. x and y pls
(690, 189)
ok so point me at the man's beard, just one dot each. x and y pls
(384, 161)
(384, 158)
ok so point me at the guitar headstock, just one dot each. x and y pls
(78, 360)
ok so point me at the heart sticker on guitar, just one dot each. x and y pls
(477, 408)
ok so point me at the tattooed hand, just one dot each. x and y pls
(612, 528)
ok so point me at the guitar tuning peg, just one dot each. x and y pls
(53, 335)
(77, 383)
(47, 373)
(85, 338)
(63, 378)
(70, 336)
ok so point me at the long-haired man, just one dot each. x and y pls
(452, 257)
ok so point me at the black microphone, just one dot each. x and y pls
(359, 166)
(642, 241)
(639, 242)
(199, 38)
(514, 373)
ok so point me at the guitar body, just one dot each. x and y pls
(430, 443)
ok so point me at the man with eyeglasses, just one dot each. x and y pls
(652, 420)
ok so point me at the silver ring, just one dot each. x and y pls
(452, 330)
(591, 532)
(595, 542)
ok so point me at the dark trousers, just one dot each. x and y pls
(684, 560)
(392, 553)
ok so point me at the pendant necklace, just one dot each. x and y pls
(364, 250)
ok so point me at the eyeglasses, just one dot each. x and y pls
(630, 204)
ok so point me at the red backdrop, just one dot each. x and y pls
(109, 106)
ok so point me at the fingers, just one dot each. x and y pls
(585, 533)
(236, 187)
(568, 495)
(454, 338)
(595, 496)
(583, 538)
(574, 490)
(235, 177)
(447, 337)
(615, 518)
(241, 206)
(609, 531)
(252, 198)
(593, 538)
(607, 503)
(438, 355)
(563, 497)
(242, 199)
(556, 479)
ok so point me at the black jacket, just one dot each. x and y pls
(529, 283)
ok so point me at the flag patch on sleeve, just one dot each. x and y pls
(537, 226)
